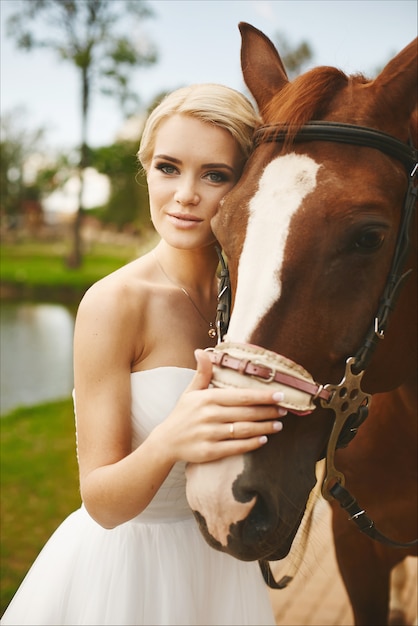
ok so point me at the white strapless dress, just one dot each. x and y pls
(155, 569)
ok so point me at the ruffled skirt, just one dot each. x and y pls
(143, 572)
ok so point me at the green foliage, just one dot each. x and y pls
(39, 485)
(26, 175)
(128, 203)
(16, 145)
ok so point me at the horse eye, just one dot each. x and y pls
(369, 240)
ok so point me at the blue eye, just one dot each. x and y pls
(166, 168)
(216, 177)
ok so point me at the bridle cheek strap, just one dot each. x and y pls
(396, 277)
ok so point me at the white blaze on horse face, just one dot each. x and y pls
(209, 491)
(283, 185)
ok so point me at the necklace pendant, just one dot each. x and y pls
(212, 332)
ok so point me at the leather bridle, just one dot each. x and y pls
(348, 401)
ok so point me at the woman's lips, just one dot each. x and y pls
(183, 220)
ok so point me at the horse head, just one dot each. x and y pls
(310, 232)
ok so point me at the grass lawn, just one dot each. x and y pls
(36, 268)
(39, 485)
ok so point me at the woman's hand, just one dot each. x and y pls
(210, 423)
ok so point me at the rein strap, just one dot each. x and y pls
(362, 521)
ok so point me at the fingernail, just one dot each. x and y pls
(277, 425)
(278, 396)
(263, 439)
(282, 411)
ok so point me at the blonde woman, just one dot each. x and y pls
(133, 554)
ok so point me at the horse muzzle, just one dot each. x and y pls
(236, 513)
(233, 512)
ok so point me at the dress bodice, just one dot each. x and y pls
(154, 394)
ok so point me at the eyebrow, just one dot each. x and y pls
(204, 166)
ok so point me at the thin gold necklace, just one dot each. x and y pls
(211, 331)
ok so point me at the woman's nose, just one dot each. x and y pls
(186, 193)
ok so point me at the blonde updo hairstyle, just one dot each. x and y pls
(208, 102)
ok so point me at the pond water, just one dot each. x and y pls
(36, 349)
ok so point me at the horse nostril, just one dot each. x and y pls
(259, 522)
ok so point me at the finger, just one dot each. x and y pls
(203, 375)
(247, 430)
(241, 446)
(250, 414)
(246, 397)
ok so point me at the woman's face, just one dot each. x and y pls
(194, 165)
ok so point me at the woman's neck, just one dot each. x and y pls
(193, 270)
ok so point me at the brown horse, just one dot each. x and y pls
(316, 234)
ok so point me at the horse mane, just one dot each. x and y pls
(307, 98)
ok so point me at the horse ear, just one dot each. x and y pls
(262, 67)
(396, 85)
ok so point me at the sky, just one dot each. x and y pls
(199, 41)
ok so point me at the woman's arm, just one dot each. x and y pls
(118, 483)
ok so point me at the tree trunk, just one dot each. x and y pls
(76, 256)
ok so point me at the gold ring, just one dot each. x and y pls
(231, 431)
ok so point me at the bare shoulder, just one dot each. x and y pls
(119, 291)
(114, 309)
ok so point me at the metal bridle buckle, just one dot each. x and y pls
(380, 334)
(346, 399)
(271, 377)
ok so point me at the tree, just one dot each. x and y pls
(128, 203)
(16, 145)
(86, 33)
(27, 174)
